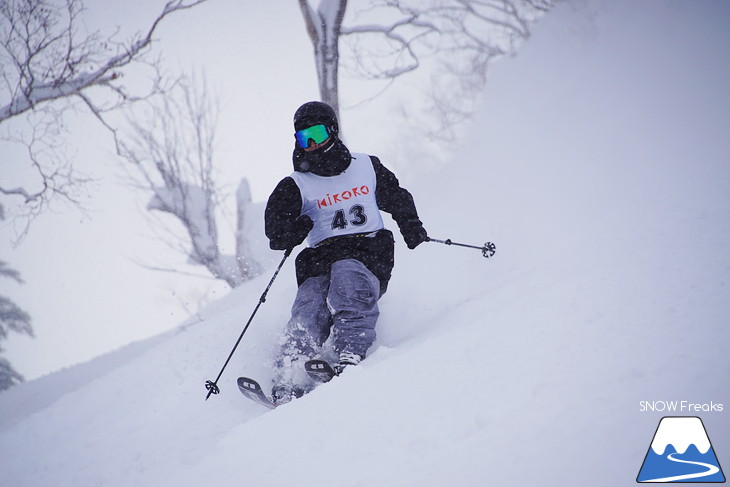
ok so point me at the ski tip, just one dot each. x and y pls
(252, 390)
(319, 370)
(249, 384)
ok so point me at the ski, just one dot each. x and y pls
(252, 390)
(319, 370)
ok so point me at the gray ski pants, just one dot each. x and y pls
(343, 303)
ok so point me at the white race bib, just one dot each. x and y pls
(343, 204)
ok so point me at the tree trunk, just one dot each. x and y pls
(323, 27)
(247, 265)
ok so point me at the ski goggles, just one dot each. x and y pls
(317, 133)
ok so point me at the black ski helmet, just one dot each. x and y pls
(316, 113)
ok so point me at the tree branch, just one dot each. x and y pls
(46, 64)
(35, 92)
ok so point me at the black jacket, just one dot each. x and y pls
(286, 228)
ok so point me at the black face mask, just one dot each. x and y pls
(330, 160)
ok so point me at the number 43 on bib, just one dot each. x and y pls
(356, 217)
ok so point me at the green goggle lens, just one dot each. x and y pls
(317, 133)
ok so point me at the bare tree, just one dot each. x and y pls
(390, 38)
(173, 153)
(324, 26)
(47, 65)
(12, 319)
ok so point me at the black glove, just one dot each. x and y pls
(302, 225)
(297, 232)
(414, 234)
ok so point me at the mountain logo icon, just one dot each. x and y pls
(680, 452)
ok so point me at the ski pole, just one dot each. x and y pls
(212, 386)
(488, 249)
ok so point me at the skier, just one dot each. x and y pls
(334, 199)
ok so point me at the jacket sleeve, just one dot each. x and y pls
(396, 200)
(283, 223)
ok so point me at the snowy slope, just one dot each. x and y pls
(600, 165)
